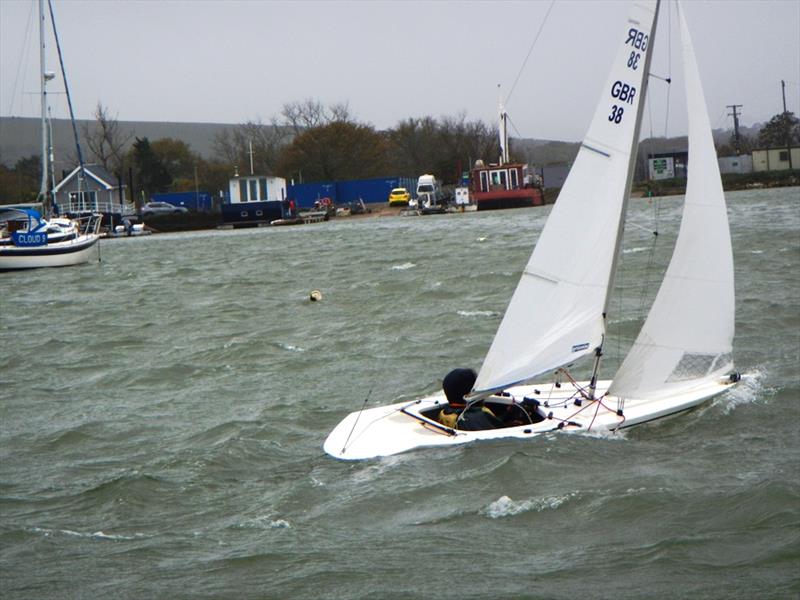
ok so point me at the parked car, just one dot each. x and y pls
(399, 197)
(162, 208)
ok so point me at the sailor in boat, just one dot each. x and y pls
(457, 415)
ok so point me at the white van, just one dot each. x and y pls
(426, 184)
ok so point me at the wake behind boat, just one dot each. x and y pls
(558, 313)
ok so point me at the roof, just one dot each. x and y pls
(97, 172)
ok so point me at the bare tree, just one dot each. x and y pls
(312, 113)
(106, 140)
(262, 142)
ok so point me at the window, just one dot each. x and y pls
(262, 187)
(783, 156)
(514, 178)
(484, 181)
(500, 178)
(242, 190)
(253, 191)
(81, 200)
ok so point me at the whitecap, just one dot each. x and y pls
(107, 536)
(506, 507)
(290, 347)
(476, 313)
(265, 522)
(99, 535)
(481, 239)
(635, 250)
(405, 266)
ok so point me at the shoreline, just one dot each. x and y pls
(212, 221)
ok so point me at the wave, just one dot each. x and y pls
(263, 522)
(506, 507)
(97, 535)
(477, 313)
(289, 347)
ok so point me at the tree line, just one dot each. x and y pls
(308, 141)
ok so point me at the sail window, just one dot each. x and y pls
(695, 366)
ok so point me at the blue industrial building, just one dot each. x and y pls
(343, 192)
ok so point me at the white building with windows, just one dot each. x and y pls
(254, 200)
(257, 188)
(775, 159)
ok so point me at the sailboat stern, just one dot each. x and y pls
(387, 430)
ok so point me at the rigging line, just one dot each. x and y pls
(366, 399)
(530, 50)
(669, 64)
(513, 125)
(66, 89)
(649, 268)
(23, 60)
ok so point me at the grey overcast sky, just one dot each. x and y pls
(233, 61)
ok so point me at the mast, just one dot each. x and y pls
(82, 171)
(628, 184)
(503, 129)
(43, 94)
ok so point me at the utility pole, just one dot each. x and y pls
(786, 124)
(735, 116)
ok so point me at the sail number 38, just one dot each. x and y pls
(622, 91)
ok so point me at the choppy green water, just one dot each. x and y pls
(162, 416)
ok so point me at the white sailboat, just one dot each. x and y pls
(27, 239)
(557, 314)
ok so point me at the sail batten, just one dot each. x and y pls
(556, 314)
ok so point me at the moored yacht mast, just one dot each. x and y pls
(43, 97)
(503, 129)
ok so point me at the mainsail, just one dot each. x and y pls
(556, 314)
(688, 335)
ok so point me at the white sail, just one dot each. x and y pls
(688, 335)
(556, 312)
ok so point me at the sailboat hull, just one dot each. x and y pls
(60, 254)
(396, 428)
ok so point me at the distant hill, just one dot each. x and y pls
(20, 136)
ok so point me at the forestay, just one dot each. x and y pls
(688, 335)
(556, 314)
